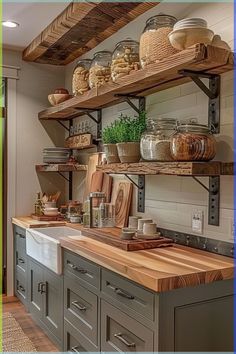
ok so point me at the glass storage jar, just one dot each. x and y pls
(155, 141)
(100, 70)
(154, 41)
(80, 77)
(193, 142)
(125, 58)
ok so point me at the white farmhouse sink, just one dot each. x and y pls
(43, 245)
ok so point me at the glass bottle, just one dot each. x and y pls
(155, 141)
(125, 58)
(154, 41)
(80, 77)
(38, 206)
(100, 70)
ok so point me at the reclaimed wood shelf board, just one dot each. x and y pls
(71, 34)
(155, 77)
(111, 236)
(212, 168)
(60, 168)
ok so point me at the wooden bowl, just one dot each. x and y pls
(56, 98)
(183, 38)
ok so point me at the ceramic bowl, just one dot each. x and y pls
(56, 98)
(48, 205)
(51, 211)
(184, 38)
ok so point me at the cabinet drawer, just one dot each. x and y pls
(75, 341)
(130, 295)
(84, 270)
(20, 240)
(122, 333)
(81, 309)
(20, 261)
(21, 287)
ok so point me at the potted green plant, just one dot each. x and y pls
(128, 135)
(109, 143)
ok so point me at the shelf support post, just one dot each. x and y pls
(213, 93)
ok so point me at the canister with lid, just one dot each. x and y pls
(80, 77)
(100, 70)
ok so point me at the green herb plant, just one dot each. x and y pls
(125, 129)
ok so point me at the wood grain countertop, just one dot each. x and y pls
(28, 222)
(160, 269)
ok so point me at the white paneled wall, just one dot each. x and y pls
(170, 200)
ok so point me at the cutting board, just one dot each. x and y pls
(121, 198)
(111, 236)
(107, 186)
(93, 161)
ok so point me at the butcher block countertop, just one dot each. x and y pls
(27, 222)
(160, 269)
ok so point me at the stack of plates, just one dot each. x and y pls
(56, 155)
(190, 23)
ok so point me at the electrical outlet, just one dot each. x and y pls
(197, 221)
(232, 229)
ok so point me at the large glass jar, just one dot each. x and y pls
(125, 58)
(155, 141)
(80, 77)
(154, 41)
(193, 142)
(100, 70)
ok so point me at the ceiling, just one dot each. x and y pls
(32, 17)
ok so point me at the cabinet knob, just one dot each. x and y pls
(124, 341)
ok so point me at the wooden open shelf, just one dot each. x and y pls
(156, 77)
(60, 168)
(81, 27)
(212, 168)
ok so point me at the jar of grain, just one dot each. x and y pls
(193, 142)
(100, 70)
(154, 41)
(80, 77)
(156, 140)
(125, 58)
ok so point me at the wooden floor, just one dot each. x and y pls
(41, 342)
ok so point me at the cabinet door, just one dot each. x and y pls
(53, 303)
(35, 294)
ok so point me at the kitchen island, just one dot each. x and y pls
(149, 300)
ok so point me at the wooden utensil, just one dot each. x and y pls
(107, 186)
(121, 198)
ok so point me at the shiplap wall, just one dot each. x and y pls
(171, 201)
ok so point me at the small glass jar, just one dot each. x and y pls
(125, 58)
(154, 41)
(100, 70)
(193, 142)
(80, 77)
(156, 140)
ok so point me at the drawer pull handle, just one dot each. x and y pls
(74, 349)
(77, 305)
(21, 260)
(78, 269)
(123, 340)
(21, 236)
(20, 287)
(42, 287)
(123, 294)
(39, 287)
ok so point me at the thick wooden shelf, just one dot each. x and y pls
(212, 168)
(155, 77)
(60, 168)
(81, 27)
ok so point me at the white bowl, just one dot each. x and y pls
(184, 38)
(48, 205)
(51, 211)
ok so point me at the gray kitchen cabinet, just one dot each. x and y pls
(20, 266)
(46, 300)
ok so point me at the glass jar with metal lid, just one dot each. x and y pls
(193, 142)
(125, 58)
(80, 77)
(155, 141)
(154, 41)
(100, 70)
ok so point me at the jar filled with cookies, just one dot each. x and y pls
(193, 142)
(100, 70)
(80, 78)
(125, 59)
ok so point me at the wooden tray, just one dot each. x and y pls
(111, 236)
(47, 218)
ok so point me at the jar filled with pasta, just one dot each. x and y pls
(100, 70)
(80, 77)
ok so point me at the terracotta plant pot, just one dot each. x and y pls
(129, 152)
(111, 153)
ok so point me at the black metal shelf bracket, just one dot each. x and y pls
(63, 125)
(141, 192)
(213, 199)
(213, 93)
(141, 102)
(66, 178)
